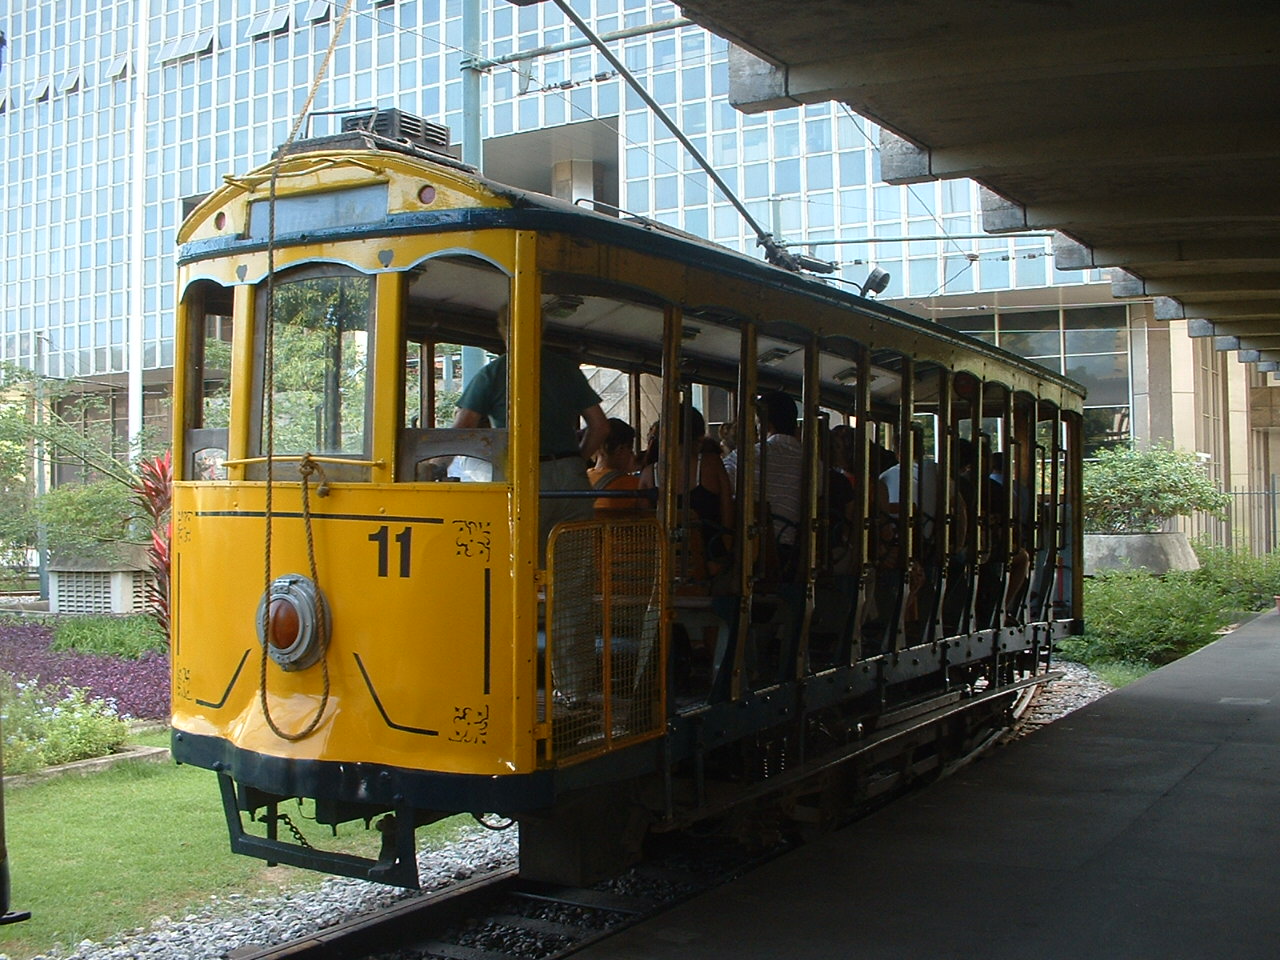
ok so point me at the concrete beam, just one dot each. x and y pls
(867, 74)
(756, 85)
(1255, 343)
(1174, 213)
(1200, 327)
(1108, 151)
(1262, 283)
(1258, 356)
(1262, 252)
(1167, 308)
(1271, 366)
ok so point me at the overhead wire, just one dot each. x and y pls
(564, 88)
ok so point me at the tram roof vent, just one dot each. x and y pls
(398, 125)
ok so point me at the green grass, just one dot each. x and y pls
(125, 637)
(1119, 674)
(94, 856)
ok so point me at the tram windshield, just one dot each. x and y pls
(318, 365)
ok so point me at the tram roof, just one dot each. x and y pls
(529, 210)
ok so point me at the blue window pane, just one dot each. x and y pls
(786, 140)
(695, 221)
(817, 135)
(924, 278)
(993, 274)
(609, 98)
(666, 193)
(502, 118)
(637, 127)
(728, 223)
(853, 168)
(755, 144)
(819, 173)
(822, 210)
(920, 200)
(637, 163)
(638, 196)
(694, 82)
(664, 88)
(529, 113)
(724, 149)
(786, 176)
(888, 203)
(719, 79)
(1030, 273)
(756, 180)
(694, 118)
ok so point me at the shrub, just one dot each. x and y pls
(46, 725)
(1245, 581)
(140, 688)
(1135, 617)
(1136, 491)
(127, 637)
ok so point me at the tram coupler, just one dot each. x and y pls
(399, 868)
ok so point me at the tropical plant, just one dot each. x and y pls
(1137, 491)
(153, 492)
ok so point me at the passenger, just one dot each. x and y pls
(783, 486)
(955, 602)
(728, 434)
(565, 396)
(842, 497)
(704, 479)
(925, 568)
(616, 469)
(1019, 561)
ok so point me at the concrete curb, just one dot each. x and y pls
(94, 765)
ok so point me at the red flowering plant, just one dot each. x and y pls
(153, 492)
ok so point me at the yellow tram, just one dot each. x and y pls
(367, 614)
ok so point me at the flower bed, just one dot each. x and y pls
(139, 688)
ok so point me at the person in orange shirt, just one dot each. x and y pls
(616, 469)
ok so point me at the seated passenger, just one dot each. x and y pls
(783, 486)
(616, 469)
(703, 479)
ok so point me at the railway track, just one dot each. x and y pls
(500, 916)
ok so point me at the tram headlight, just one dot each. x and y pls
(294, 622)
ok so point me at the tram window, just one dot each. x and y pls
(208, 401)
(320, 351)
(453, 303)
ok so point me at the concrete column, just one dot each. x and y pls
(1152, 373)
(136, 302)
(1182, 393)
(573, 180)
(1235, 378)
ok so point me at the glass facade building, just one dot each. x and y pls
(114, 114)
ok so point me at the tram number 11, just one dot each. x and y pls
(383, 539)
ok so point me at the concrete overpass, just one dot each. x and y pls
(1147, 132)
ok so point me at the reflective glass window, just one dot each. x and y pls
(320, 382)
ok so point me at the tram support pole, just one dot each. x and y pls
(7, 916)
(472, 141)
